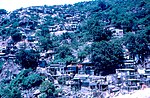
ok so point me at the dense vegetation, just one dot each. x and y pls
(27, 58)
(130, 15)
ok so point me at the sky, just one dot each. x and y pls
(11, 5)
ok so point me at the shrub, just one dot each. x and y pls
(19, 78)
(63, 79)
(17, 37)
(26, 80)
(48, 88)
(9, 92)
(43, 95)
(32, 81)
(27, 58)
(1, 65)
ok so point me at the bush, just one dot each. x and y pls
(27, 58)
(19, 78)
(8, 92)
(26, 80)
(48, 88)
(17, 37)
(1, 65)
(43, 95)
(32, 81)
(63, 79)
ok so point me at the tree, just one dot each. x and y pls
(45, 43)
(106, 55)
(10, 92)
(27, 58)
(82, 55)
(64, 54)
(32, 81)
(137, 44)
(93, 30)
(17, 37)
(3, 11)
(48, 89)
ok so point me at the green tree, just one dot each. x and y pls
(3, 11)
(64, 54)
(32, 81)
(8, 92)
(82, 55)
(137, 44)
(48, 88)
(17, 37)
(27, 58)
(106, 55)
(93, 30)
(45, 43)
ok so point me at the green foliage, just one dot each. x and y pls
(43, 95)
(82, 55)
(48, 88)
(64, 54)
(19, 78)
(106, 55)
(45, 43)
(129, 15)
(62, 80)
(1, 65)
(49, 20)
(17, 37)
(26, 80)
(32, 81)
(23, 80)
(3, 11)
(28, 58)
(93, 30)
(15, 24)
(137, 43)
(8, 92)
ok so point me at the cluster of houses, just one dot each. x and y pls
(127, 79)
(68, 19)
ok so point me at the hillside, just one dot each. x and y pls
(103, 33)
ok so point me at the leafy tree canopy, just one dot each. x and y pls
(28, 58)
(106, 55)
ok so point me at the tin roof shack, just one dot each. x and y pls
(84, 79)
(10, 58)
(42, 62)
(123, 74)
(133, 84)
(147, 77)
(10, 48)
(87, 68)
(57, 69)
(116, 32)
(129, 63)
(94, 80)
(72, 69)
(102, 84)
(10, 43)
(2, 54)
(76, 84)
(21, 45)
(50, 55)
